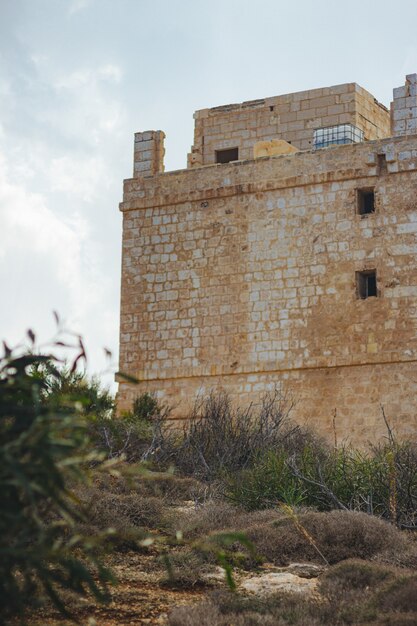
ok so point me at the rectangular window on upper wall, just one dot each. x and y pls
(365, 201)
(366, 284)
(228, 155)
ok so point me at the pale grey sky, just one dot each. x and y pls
(79, 77)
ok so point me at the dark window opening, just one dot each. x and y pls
(366, 201)
(382, 164)
(271, 108)
(225, 156)
(366, 284)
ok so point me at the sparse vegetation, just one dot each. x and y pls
(379, 481)
(219, 438)
(246, 489)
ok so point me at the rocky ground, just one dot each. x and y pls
(313, 564)
(140, 598)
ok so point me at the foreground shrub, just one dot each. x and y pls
(337, 535)
(42, 448)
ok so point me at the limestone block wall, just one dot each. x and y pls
(149, 152)
(243, 276)
(404, 108)
(291, 117)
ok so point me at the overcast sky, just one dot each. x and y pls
(79, 77)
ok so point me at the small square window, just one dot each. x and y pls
(225, 156)
(366, 284)
(365, 201)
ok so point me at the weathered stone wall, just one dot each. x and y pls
(292, 117)
(243, 276)
(404, 108)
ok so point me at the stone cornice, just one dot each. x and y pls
(300, 169)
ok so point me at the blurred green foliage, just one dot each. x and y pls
(44, 448)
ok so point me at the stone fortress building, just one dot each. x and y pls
(284, 255)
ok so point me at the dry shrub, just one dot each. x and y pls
(216, 516)
(129, 515)
(146, 483)
(355, 575)
(405, 558)
(186, 569)
(172, 488)
(395, 619)
(400, 595)
(203, 614)
(212, 516)
(133, 509)
(363, 592)
(338, 535)
(220, 438)
(226, 609)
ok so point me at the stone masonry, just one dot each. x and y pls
(269, 272)
(292, 117)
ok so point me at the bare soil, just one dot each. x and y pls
(139, 598)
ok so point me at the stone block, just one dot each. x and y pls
(399, 127)
(411, 101)
(400, 92)
(400, 103)
(144, 166)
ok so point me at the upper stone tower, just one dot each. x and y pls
(306, 120)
